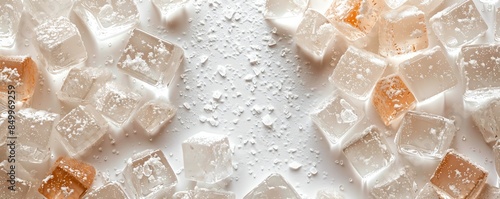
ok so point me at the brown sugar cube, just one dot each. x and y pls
(392, 98)
(457, 177)
(20, 72)
(69, 178)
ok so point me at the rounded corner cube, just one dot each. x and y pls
(314, 33)
(207, 157)
(392, 98)
(117, 103)
(81, 83)
(480, 65)
(153, 115)
(274, 186)
(150, 59)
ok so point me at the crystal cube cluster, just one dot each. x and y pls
(81, 83)
(115, 102)
(274, 186)
(153, 115)
(487, 120)
(392, 98)
(21, 72)
(314, 33)
(42, 10)
(276, 9)
(109, 190)
(9, 21)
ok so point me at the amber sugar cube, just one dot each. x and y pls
(20, 72)
(392, 98)
(69, 178)
(457, 177)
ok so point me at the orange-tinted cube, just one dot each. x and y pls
(392, 98)
(20, 72)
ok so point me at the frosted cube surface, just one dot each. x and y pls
(402, 31)
(357, 72)
(60, 43)
(481, 68)
(459, 24)
(42, 10)
(150, 59)
(392, 98)
(80, 129)
(274, 186)
(168, 7)
(427, 192)
(458, 177)
(115, 102)
(369, 153)
(153, 115)
(489, 192)
(81, 82)
(496, 154)
(314, 33)
(400, 186)
(328, 194)
(109, 190)
(335, 116)
(428, 73)
(24, 183)
(149, 174)
(107, 18)
(207, 157)
(20, 72)
(276, 9)
(9, 21)
(487, 120)
(425, 135)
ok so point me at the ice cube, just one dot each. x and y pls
(68, 178)
(489, 192)
(150, 59)
(393, 4)
(10, 17)
(81, 83)
(168, 8)
(43, 10)
(149, 175)
(392, 98)
(274, 186)
(207, 157)
(116, 102)
(335, 116)
(153, 115)
(109, 190)
(458, 177)
(426, 5)
(357, 72)
(328, 194)
(487, 120)
(458, 24)
(107, 18)
(314, 33)
(425, 135)
(21, 73)
(428, 73)
(276, 9)
(427, 192)
(60, 44)
(201, 193)
(402, 31)
(496, 154)
(397, 186)
(354, 18)
(23, 181)
(481, 68)
(80, 129)
(369, 152)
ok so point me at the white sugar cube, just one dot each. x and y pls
(276, 9)
(314, 33)
(9, 21)
(109, 190)
(153, 115)
(487, 120)
(115, 102)
(274, 186)
(81, 82)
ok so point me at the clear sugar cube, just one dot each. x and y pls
(480, 63)
(487, 120)
(42, 10)
(81, 83)
(153, 115)
(276, 9)
(9, 21)
(109, 190)
(274, 186)
(314, 33)
(398, 185)
(115, 102)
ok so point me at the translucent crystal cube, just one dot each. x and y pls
(81, 83)
(21, 73)
(201, 193)
(427, 192)
(489, 192)
(109, 190)
(354, 18)
(393, 4)
(60, 43)
(392, 98)
(428, 73)
(496, 154)
(274, 186)
(328, 194)
(314, 33)
(369, 152)
(357, 72)
(42, 10)
(487, 120)
(168, 7)
(80, 129)
(276, 9)
(458, 24)
(335, 116)
(115, 102)
(68, 178)
(480, 63)
(458, 177)
(9, 21)
(402, 31)
(426, 5)
(399, 186)
(207, 157)
(150, 59)
(107, 18)
(153, 115)
(425, 135)
(24, 183)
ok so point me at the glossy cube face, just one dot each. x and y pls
(487, 119)
(481, 68)
(9, 21)
(402, 186)
(168, 7)
(392, 98)
(153, 115)
(42, 10)
(116, 103)
(19, 72)
(81, 83)
(276, 9)
(274, 186)
(109, 190)
(314, 33)
(457, 177)
(458, 25)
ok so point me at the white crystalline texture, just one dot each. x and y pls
(24, 183)
(149, 175)
(402, 31)
(428, 73)
(169, 7)
(400, 186)
(274, 186)
(357, 72)
(481, 66)
(458, 25)
(201, 193)
(10, 16)
(207, 157)
(426, 5)
(153, 115)
(150, 59)
(276, 9)
(314, 33)
(81, 82)
(328, 194)
(109, 190)
(107, 18)
(80, 129)
(395, 3)
(60, 43)
(42, 10)
(115, 102)
(335, 116)
(496, 153)
(425, 135)
(427, 192)
(369, 153)
(487, 120)
(489, 192)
